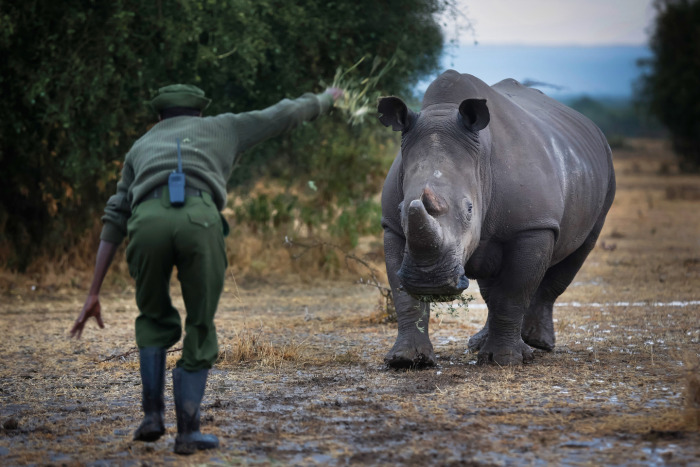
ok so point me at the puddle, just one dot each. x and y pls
(672, 304)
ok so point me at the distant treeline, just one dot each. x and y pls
(670, 86)
(618, 118)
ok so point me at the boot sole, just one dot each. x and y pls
(187, 449)
(184, 447)
(149, 436)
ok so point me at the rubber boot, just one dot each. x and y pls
(152, 361)
(188, 388)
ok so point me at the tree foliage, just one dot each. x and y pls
(618, 118)
(671, 85)
(76, 75)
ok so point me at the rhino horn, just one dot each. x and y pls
(423, 232)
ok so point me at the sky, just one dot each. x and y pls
(554, 22)
(575, 47)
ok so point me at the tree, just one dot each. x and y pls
(670, 88)
(74, 90)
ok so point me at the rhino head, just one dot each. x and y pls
(442, 175)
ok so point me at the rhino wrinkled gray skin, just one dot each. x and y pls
(501, 184)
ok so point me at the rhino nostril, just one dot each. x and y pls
(434, 204)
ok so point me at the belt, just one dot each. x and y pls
(157, 192)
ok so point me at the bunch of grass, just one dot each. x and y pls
(360, 93)
(446, 303)
(248, 346)
(437, 298)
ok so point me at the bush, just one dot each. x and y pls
(618, 119)
(329, 184)
(670, 88)
(74, 91)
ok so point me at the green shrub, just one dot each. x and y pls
(670, 87)
(74, 93)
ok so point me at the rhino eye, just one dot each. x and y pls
(401, 207)
(468, 209)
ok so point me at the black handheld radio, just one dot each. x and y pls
(176, 182)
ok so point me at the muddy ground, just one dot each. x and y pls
(301, 379)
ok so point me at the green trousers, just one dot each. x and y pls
(190, 238)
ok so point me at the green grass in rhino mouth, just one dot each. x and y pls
(436, 298)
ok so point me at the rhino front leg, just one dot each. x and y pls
(412, 348)
(525, 262)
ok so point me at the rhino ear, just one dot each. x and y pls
(395, 113)
(475, 114)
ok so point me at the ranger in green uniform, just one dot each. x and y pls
(187, 233)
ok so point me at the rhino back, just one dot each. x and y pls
(452, 87)
(550, 167)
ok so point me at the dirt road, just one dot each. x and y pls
(301, 380)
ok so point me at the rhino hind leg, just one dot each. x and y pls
(477, 340)
(538, 324)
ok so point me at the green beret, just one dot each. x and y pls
(180, 95)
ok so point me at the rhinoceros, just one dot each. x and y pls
(501, 184)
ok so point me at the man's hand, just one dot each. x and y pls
(91, 308)
(337, 93)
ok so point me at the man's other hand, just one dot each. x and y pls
(92, 308)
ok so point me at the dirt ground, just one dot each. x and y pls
(301, 380)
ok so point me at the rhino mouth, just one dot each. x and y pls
(432, 286)
(431, 270)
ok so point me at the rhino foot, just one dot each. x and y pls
(411, 353)
(538, 333)
(516, 354)
(477, 340)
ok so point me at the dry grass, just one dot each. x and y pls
(360, 95)
(301, 379)
(248, 346)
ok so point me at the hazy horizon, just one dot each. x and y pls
(602, 71)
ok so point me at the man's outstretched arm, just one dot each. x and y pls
(259, 125)
(92, 308)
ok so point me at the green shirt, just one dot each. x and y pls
(209, 146)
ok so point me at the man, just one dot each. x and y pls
(187, 233)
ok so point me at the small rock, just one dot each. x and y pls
(10, 424)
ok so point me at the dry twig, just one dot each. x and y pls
(132, 351)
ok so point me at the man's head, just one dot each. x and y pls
(179, 99)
